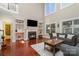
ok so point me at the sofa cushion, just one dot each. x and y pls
(54, 34)
(69, 50)
(68, 42)
(61, 36)
(77, 39)
(77, 45)
(73, 51)
(69, 36)
(72, 41)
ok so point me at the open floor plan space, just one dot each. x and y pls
(39, 29)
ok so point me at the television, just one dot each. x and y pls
(32, 23)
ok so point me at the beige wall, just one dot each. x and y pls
(68, 13)
(33, 11)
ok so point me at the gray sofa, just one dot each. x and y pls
(69, 50)
(70, 45)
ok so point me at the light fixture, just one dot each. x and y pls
(48, 27)
(22, 41)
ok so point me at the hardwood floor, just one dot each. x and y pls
(21, 48)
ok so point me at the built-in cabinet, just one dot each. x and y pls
(40, 29)
(7, 34)
(19, 29)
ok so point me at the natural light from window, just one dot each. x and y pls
(50, 8)
(64, 5)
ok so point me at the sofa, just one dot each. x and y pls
(70, 46)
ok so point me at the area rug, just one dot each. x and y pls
(39, 48)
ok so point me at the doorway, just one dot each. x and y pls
(7, 34)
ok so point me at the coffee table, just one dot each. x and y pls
(53, 43)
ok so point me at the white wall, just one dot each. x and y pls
(31, 11)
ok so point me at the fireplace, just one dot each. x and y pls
(32, 35)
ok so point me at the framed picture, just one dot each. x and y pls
(7, 29)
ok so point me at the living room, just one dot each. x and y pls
(39, 29)
(20, 21)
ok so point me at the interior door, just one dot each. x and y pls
(7, 33)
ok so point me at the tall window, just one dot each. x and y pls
(10, 6)
(50, 8)
(64, 5)
(71, 26)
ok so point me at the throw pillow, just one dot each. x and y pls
(69, 36)
(62, 36)
(54, 35)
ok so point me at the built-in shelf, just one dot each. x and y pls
(19, 29)
(40, 30)
(19, 35)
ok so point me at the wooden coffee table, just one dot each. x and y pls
(53, 43)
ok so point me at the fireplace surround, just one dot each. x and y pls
(32, 35)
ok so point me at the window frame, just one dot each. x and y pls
(73, 25)
(65, 6)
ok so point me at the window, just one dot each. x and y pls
(5, 5)
(76, 22)
(10, 6)
(71, 26)
(68, 30)
(67, 27)
(50, 8)
(76, 30)
(76, 26)
(53, 28)
(64, 5)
